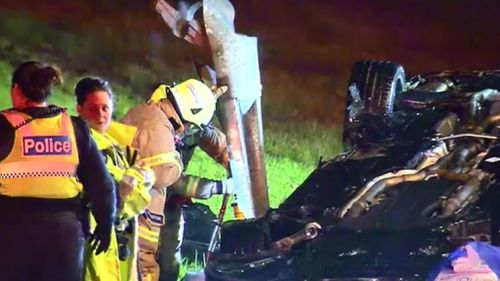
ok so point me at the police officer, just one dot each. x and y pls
(47, 160)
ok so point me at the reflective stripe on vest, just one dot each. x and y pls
(43, 159)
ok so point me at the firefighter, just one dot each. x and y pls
(47, 160)
(197, 133)
(95, 105)
(160, 122)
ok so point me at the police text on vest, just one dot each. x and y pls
(46, 145)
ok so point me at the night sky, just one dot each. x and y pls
(423, 35)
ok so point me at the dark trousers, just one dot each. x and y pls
(169, 251)
(41, 246)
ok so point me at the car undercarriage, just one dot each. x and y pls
(417, 178)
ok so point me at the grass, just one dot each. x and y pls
(5, 75)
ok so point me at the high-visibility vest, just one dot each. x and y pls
(115, 155)
(43, 160)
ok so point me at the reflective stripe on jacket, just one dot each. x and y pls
(43, 159)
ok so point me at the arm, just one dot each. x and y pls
(201, 188)
(157, 151)
(195, 187)
(213, 142)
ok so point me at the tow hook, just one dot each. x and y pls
(310, 231)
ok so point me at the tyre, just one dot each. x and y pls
(373, 88)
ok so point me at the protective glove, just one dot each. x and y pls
(224, 187)
(207, 131)
(189, 138)
(193, 135)
(101, 238)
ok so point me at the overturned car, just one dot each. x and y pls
(418, 177)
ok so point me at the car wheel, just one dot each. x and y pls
(373, 88)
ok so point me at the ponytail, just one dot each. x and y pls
(35, 79)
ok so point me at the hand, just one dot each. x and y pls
(101, 238)
(207, 130)
(191, 135)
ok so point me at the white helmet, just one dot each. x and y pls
(193, 100)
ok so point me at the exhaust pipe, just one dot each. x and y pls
(454, 160)
(466, 194)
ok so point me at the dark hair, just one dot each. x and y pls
(35, 79)
(88, 85)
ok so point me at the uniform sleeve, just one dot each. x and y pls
(213, 142)
(156, 149)
(7, 137)
(194, 187)
(97, 183)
